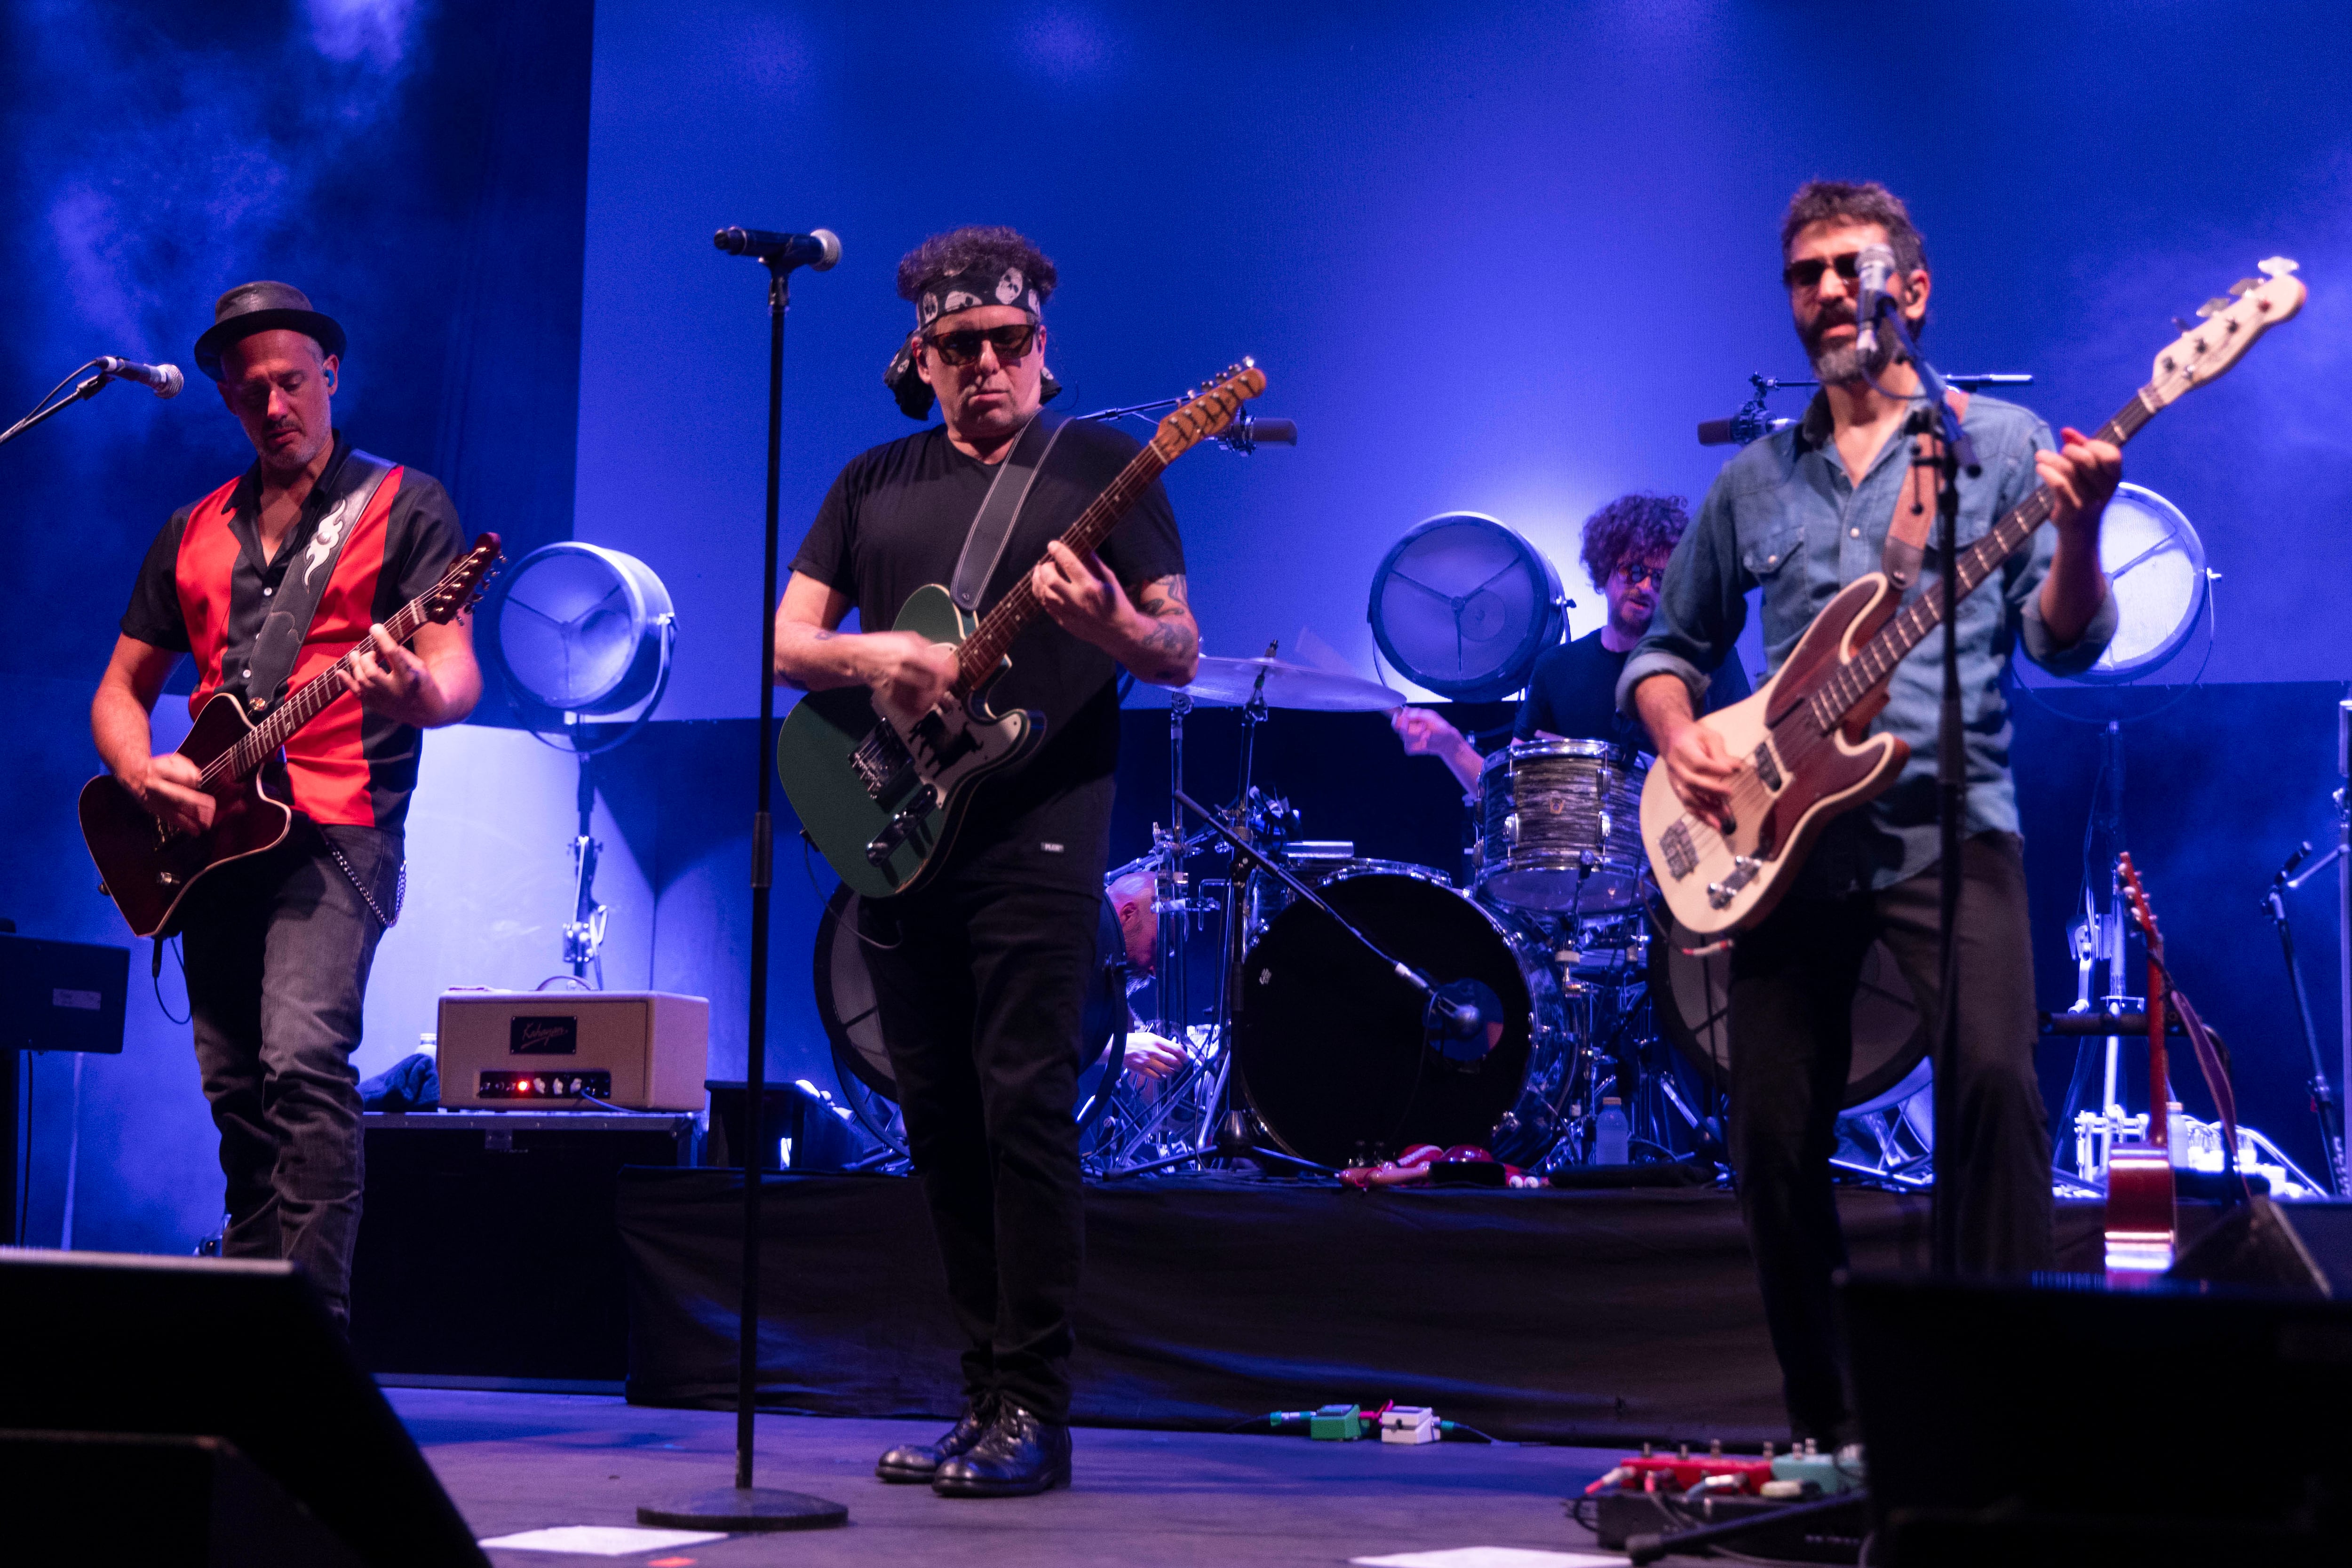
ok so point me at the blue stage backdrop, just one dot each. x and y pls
(1499, 258)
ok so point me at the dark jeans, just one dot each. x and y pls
(981, 1003)
(277, 950)
(1793, 983)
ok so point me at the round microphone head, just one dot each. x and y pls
(730, 240)
(832, 243)
(168, 381)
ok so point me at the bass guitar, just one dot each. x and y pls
(2142, 1221)
(1803, 744)
(882, 803)
(146, 866)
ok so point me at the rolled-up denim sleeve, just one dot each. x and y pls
(2023, 587)
(1702, 607)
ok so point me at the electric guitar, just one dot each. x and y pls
(2142, 1223)
(1803, 744)
(147, 865)
(883, 803)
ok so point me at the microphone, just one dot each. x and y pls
(163, 379)
(816, 251)
(1874, 269)
(1739, 429)
(1248, 433)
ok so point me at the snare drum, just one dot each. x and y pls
(1560, 826)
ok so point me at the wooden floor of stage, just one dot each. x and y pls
(516, 1462)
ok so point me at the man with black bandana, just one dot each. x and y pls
(982, 973)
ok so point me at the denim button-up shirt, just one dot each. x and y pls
(1784, 516)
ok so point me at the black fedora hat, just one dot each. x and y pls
(251, 308)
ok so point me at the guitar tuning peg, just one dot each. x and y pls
(2186, 327)
(2239, 290)
(2276, 267)
(2214, 306)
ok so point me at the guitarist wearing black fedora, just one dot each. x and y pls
(265, 583)
(981, 971)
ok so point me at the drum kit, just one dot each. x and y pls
(1306, 1049)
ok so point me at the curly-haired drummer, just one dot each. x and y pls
(1573, 692)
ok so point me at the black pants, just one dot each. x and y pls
(278, 949)
(981, 1003)
(1792, 983)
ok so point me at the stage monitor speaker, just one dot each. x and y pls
(191, 1501)
(2007, 1423)
(103, 1345)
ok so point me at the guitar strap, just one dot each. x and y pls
(1915, 504)
(270, 661)
(1008, 492)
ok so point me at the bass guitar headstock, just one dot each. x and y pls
(2232, 322)
(1208, 414)
(460, 587)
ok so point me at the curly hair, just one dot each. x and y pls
(1632, 528)
(1841, 201)
(982, 248)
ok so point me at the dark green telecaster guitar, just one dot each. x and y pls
(883, 804)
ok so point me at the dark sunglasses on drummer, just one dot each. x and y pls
(962, 348)
(1634, 573)
(1807, 274)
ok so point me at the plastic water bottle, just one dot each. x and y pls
(1612, 1135)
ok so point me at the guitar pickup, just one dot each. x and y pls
(881, 759)
(1682, 858)
(1767, 768)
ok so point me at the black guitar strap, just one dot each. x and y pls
(266, 665)
(992, 526)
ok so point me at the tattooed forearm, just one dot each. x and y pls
(1162, 597)
(1168, 648)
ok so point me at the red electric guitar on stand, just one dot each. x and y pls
(2142, 1224)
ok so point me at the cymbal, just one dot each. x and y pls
(1229, 683)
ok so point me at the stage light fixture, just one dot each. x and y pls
(1463, 604)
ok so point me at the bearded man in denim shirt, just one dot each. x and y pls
(1801, 514)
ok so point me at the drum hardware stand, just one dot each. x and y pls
(2323, 1099)
(584, 935)
(1239, 1136)
(1448, 1015)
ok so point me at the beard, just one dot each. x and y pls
(1840, 364)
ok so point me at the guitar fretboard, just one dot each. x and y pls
(981, 652)
(314, 696)
(1876, 661)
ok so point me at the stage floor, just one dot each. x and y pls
(516, 1462)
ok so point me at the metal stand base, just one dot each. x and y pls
(735, 1509)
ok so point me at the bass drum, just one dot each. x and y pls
(1688, 1003)
(853, 1021)
(1330, 1044)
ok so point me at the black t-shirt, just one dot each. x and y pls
(897, 518)
(1573, 694)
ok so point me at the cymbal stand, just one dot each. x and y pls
(2323, 1098)
(1253, 714)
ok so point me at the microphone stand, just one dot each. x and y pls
(744, 1507)
(1953, 452)
(46, 409)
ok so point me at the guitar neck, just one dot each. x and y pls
(309, 699)
(1870, 667)
(984, 650)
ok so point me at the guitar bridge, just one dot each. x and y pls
(881, 759)
(1743, 871)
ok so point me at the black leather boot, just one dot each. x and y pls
(1019, 1454)
(920, 1461)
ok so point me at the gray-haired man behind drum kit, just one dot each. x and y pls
(1572, 694)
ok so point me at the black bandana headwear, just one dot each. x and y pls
(944, 296)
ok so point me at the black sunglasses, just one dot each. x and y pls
(962, 348)
(1807, 274)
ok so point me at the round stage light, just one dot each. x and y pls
(1463, 604)
(2156, 564)
(580, 629)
